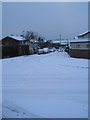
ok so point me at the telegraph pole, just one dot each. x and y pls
(67, 42)
(60, 39)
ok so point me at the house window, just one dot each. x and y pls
(7, 43)
(88, 45)
(77, 46)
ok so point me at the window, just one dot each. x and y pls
(7, 43)
(77, 46)
(88, 45)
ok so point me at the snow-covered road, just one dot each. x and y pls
(48, 86)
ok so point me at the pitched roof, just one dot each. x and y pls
(58, 41)
(16, 37)
(83, 33)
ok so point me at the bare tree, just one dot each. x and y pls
(28, 35)
(49, 43)
(40, 42)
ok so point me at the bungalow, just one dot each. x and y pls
(13, 46)
(80, 47)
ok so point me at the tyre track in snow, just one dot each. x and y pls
(9, 108)
(50, 81)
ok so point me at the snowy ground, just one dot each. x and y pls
(45, 86)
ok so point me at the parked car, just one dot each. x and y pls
(54, 49)
(51, 50)
(40, 51)
(45, 50)
(60, 50)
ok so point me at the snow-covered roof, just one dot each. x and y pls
(45, 40)
(83, 33)
(79, 40)
(20, 38)
(62, 42)
(56, 41)
(17, 37)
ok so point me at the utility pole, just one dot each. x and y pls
(60, 39)
(67, 42)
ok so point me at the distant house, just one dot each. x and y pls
(13, 46)
(58, 43)
(64, 43)
(42, 43)
(80, 47)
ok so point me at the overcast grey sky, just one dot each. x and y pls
(48, 19)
